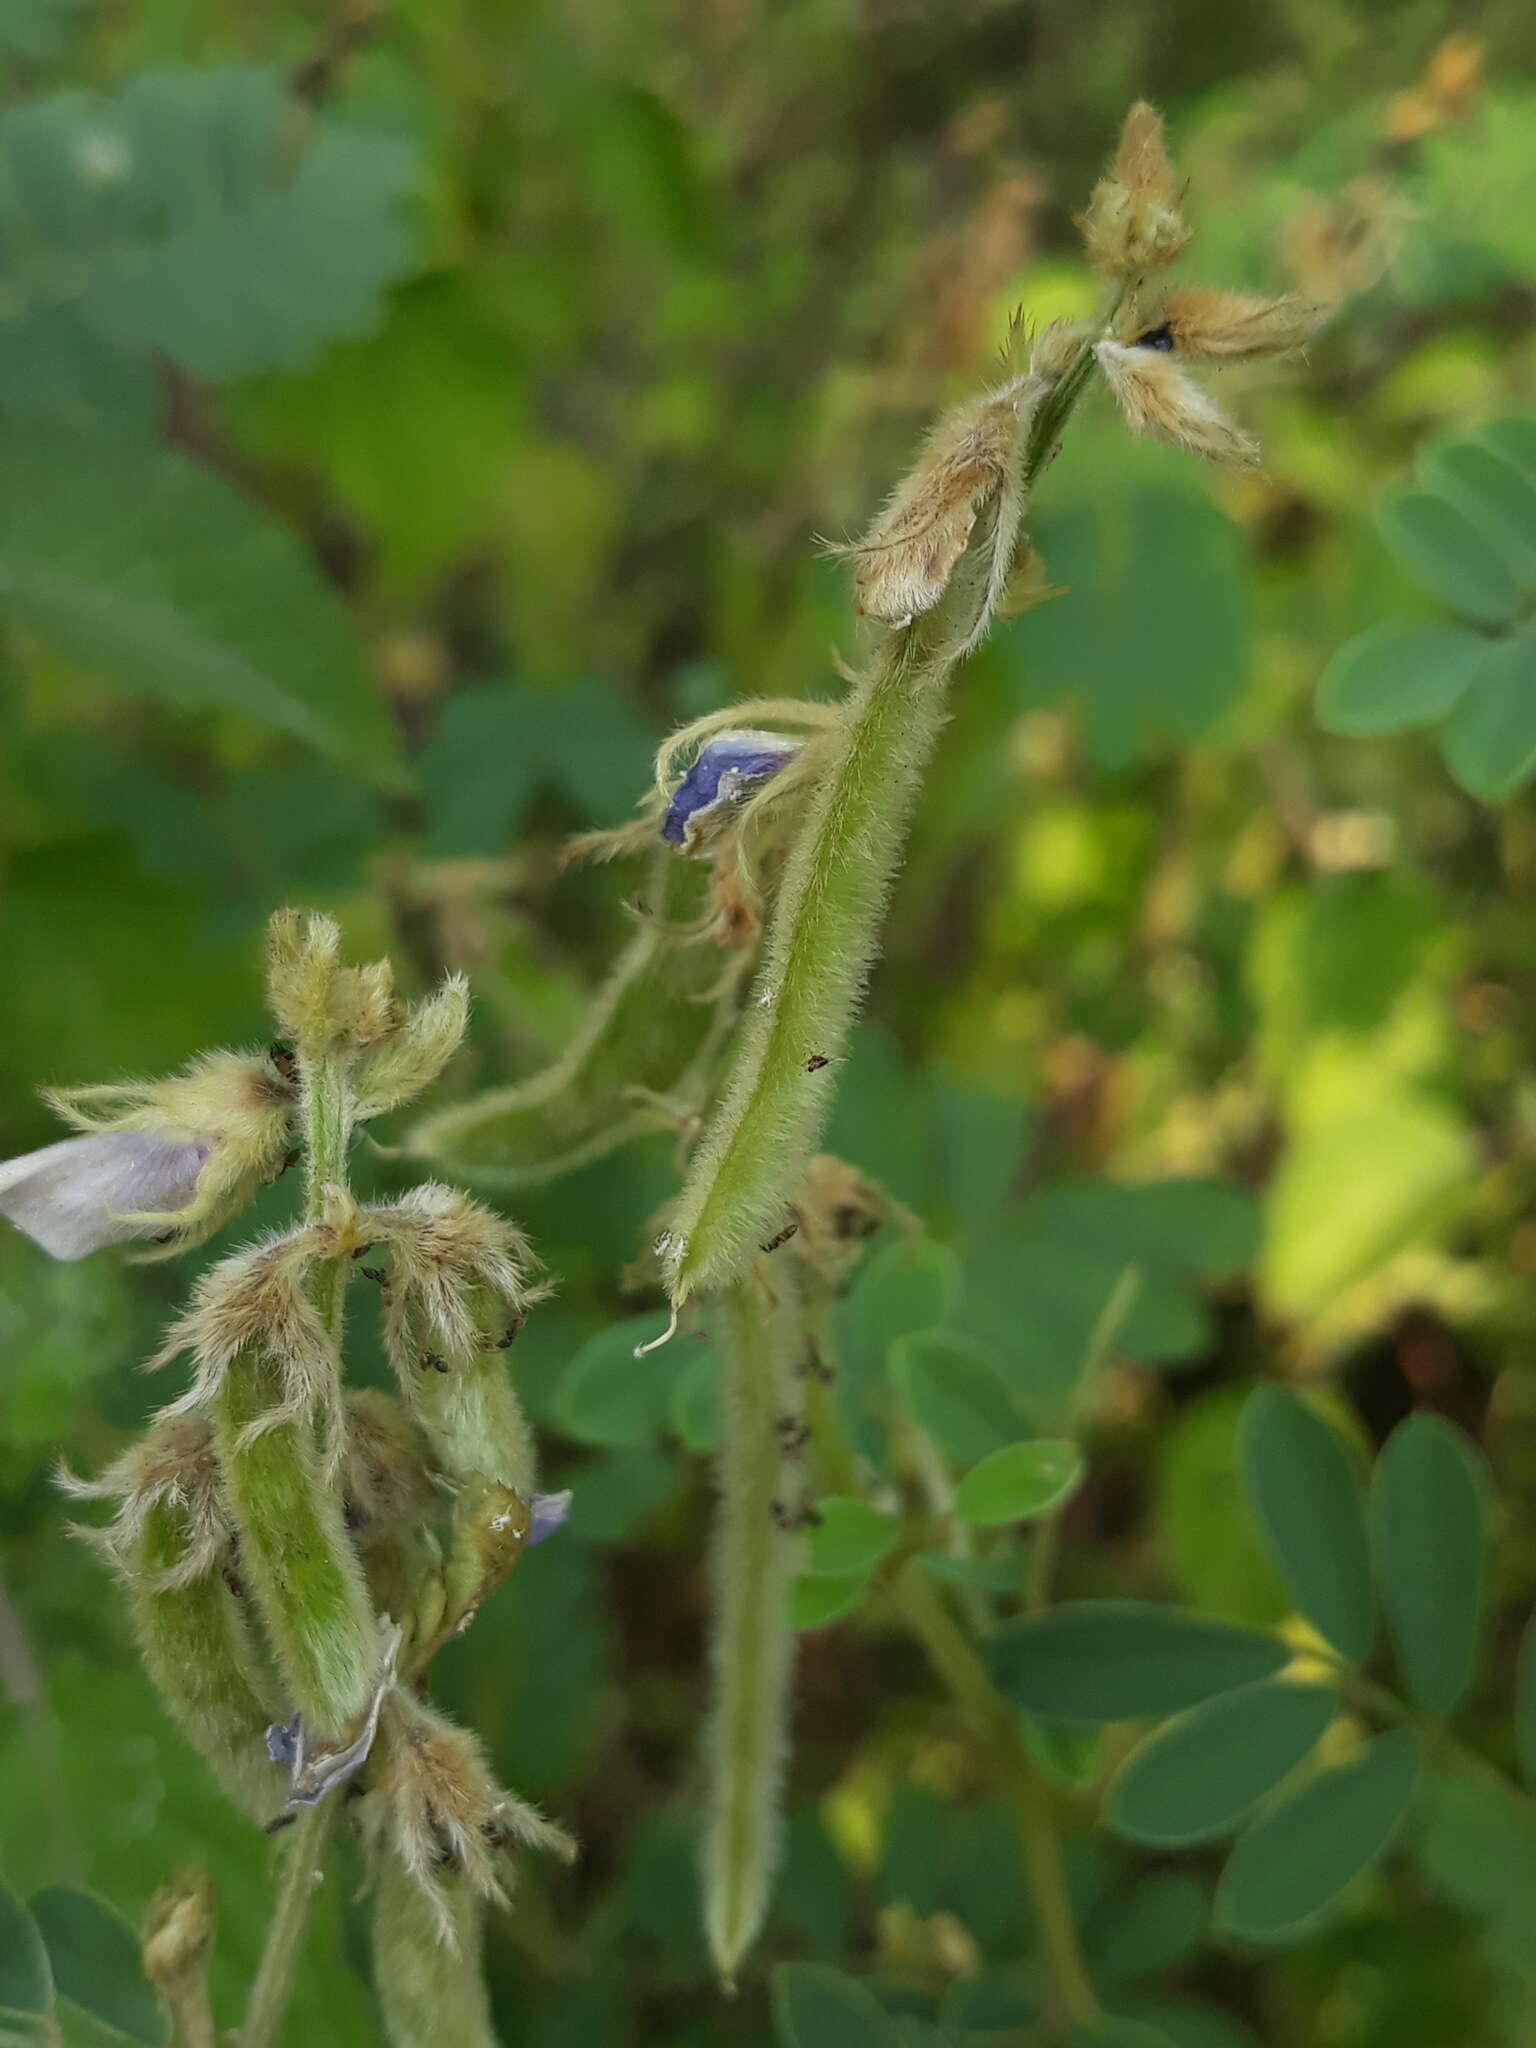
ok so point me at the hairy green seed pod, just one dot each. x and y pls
(475, 1423)
(199, 1654)
(296, 1554)
(430, 1982)
(752, 1645)
(825, 925)
(647, 1032)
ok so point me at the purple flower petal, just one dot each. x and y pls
(546, 1512)
(77, 1196)
(728, 767)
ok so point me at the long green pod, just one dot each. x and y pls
(296, 1554)
(198, 1652)
(430, 1982)
(475, 1422)
(752, 1646)
(824, 929)
(820, 947)
(646, 1032)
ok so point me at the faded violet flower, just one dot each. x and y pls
(75, 1197)
(728, 768)
(547, 1513)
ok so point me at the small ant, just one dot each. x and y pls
(784, 1235)
(816, 1062)
(433, 1361)
(284, 1058)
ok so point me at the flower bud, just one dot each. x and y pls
(1160, 398)
(178, 1940)
(1229, 327)
(1133, 223)
(903, 565)
(411, 1057)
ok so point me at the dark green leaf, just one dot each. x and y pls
(1189, 2022)
(26, 1983)
(817, 1603)
(1495, 494)
(905, 1287)
(188, 225)
(693, 1411)
(155, 575)
(1019, 1481)
(1309, 1503)
(850, 1537)
(608, 1396)
(1146, 667)
(1125, 1660)
(1393, 677)
(954, 1390)
(1490, 742)
(1114, 2031)
(612, 1496)
(1429, 1526)
(94, 1954)
(1291, 1864)
(1157, 1925)
(814, 2007)
(1197, 1777)
(1525, 1703)
(1451, 557)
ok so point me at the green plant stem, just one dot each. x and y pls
(923, 1611)
(328, 1132)
(303, 1869)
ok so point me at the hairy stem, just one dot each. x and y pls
(293, 1535)
(303, 1869)
(753, 1644)
(925, 1615)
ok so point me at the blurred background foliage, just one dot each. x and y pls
(405, 416)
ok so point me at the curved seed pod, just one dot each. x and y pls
(295, 1552)
(752, 1648)
(431, 1985)
(649, 1028)
(825, 924)
(820, 945)
(199, 1654)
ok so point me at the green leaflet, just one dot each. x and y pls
(1293, 1861)
(1124, 1660)
(164, 582)
(1429, 1517)
(1307, 1497)
(94, 1955)
(177, 220)
(1197, 1776)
